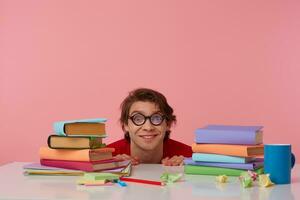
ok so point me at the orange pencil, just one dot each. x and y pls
(142, 181)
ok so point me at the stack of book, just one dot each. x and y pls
(226, 150)
(78, 145)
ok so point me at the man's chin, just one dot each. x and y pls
(147, 146)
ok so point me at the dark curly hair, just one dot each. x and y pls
(147, 95)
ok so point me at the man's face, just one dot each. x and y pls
(146, 136)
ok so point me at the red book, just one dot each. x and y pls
(88, 166)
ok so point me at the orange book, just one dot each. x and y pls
(230, 150)
(76, 155)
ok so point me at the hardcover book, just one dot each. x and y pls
(38, 169)
(231, 150)
(246, 166)
(204, 170)
(226, 134)
(208, 157)
(88, 166)
(76, 155)
(74, 142)
(93, 127)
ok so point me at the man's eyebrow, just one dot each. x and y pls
(135, 111)
(139, 111)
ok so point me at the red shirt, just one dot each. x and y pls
(170, 148)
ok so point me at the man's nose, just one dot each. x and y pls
(147, 125)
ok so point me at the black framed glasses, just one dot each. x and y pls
(155, 119)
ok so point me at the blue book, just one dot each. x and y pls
(207, 157)
(228, 134)
(247, 166)
(60, 127)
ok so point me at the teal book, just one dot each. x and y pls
(82, 127)
(206, 157)
(216, 171)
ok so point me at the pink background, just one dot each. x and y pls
(226, 62)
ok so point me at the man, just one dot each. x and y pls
(146, 119)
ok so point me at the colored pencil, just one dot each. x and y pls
(142, 181)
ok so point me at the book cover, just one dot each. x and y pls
(94, 127)
(207, 157)
(246, 166)
(205, 170)
(227, 134)
(227, 149)
(77, 155)
(88, 166)
(74, 142)
(126, 171)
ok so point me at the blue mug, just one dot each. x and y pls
(278, 162)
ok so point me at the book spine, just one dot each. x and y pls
(225, 137)
(59, 128)
(49, 141)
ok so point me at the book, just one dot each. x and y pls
(228, 149)
(206, 157)
(205, 170)
(226, 134)
(93, 127)
(74, 142)
(64, 172)
(76, 155)
(88, 166)
(85, 128)
(246, 166)
(38, 169)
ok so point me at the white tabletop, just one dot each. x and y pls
(14, 185)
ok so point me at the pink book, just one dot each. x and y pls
(88, 166)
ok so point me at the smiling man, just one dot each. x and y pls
(146, 119)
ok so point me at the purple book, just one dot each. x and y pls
(247, 166)
(226, 134)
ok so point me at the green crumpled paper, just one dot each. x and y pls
(170, 178)
(246, 180)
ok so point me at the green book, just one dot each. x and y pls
(204, 170)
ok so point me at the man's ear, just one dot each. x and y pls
(125, 127)
(168, 127)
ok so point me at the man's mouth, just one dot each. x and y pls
(148, 137)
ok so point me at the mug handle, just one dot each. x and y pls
(293, 160)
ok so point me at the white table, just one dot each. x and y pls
(14, 185)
